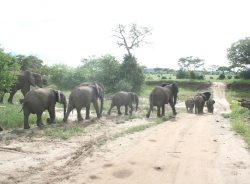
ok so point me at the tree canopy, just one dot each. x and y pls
(8, 70)
(190, 63)
(239, 53)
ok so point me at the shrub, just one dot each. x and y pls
(229, 77)
(245, 74)
(181, 74)
(211, 77)
(221, 76)
(163, 77)
(236, 77)
(123, 85)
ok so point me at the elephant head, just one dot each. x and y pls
(28, 77)
(174, 88)
(135, 99)
(205, 95)
(61, 98)
(38, 79)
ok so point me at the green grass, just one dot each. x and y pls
(240, 116)
(64, 133)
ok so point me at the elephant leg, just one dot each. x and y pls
(172, 107)
(39, 119)
(131, 108)
(52, 115)
(119, 110)
(158, 111)
(163, 110)
(111, 106)
(79, 116)
(126, 110)
(87, 112)
(26, 114)
(70, 108)
(97, 109)
(12, 93)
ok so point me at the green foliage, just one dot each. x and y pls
(123, 85)
(222, 76)
(239, 53)
(239, 116)
(8, 70)
(181, 74)
(32, 63)
(131, 72)
(245, 74)
(65, 77)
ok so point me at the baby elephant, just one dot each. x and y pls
(39, 100)
(189, 105)
(126, 99)
(210, 105)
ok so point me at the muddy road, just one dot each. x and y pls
(191, 149)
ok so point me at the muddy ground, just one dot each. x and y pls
(188, 149)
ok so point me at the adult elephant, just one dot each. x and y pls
(161, 96)
(199, 101)
(24, 80)
(38, 100)
(126, 99)
(82, 96)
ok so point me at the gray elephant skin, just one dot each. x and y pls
(199, 101)
(38, 100)
(24, 80)
(189, 105)
(210, 105)
(82, 96)
(123, 98)
(161, 96)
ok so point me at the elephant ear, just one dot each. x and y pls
(30, 77)
(97, 89)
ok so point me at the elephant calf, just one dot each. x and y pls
(126, 99)
(189, 105)
(39, 100)
(210, 105)
(199, 101)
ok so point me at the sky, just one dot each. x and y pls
(66, 31)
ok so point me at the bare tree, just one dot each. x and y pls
(132, 38)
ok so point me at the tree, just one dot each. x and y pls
(32, 63)
(8, 71)
(131, 73)
(190, 63)
(239, 53)
(132, 38)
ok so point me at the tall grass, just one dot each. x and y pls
(240, 116)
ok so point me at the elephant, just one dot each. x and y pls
(126, 99)
(199, 101)
(24, 80)
(38, 100)
(189, 105)
(161, 96)
(82, 96)
(1, 129)
(210, 105)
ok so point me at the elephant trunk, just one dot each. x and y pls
(64, 110)
(175, 98)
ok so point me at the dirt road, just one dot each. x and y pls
(189, 150)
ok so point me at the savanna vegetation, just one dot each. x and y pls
(128, 75)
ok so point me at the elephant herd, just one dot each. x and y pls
(198, 103)
(40, 99)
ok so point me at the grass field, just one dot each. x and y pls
(240, 116)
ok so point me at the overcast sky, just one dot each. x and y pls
(65, 31)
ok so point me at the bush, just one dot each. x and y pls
(211, 77)
(236, 77)
(200, 77)
(192, 75)
(123, 85)
(181, 74)
(221, 76)
(245, 74)
(229, 77)
(163, 77)
(131, 72)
